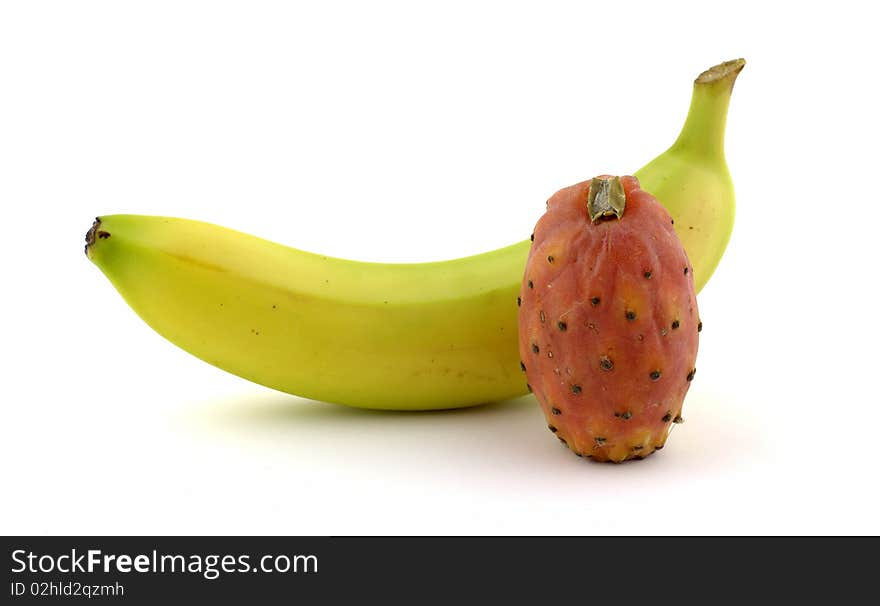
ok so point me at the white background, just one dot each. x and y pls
(408, 132)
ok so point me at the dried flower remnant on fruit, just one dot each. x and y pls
(606, 199)
(552, 428)
(95, 233)
(562, 326)
(655, 375)
(605, 363)
(667, 417)
(595, 301)
(690, 376)
(535, 348)
(576, 389)
(675, 324)
(555, 411)
(630, 314)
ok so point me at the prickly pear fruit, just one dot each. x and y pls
(608, 319)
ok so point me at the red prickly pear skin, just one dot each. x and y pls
(608, 324)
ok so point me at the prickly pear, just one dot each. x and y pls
(608, 319)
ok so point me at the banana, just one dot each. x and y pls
(691, 178)
(417, 336)
(394, 336)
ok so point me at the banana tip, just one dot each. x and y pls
(95, 233)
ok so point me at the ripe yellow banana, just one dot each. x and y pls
(415, 336)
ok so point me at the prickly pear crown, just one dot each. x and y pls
(608, 319)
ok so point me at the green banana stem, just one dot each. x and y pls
(703, 130)
(691, 178)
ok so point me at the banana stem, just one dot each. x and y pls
(703, 130)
